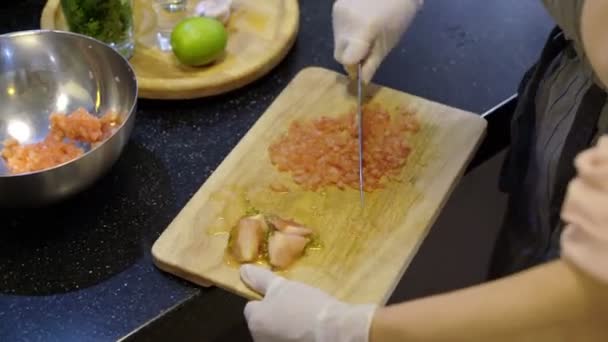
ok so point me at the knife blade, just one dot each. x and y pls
(360, 130)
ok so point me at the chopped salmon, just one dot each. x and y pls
(39, 156)
(83, 126)
(59, 146)
(324, 152)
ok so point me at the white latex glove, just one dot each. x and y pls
(292, 311)
(367, 30)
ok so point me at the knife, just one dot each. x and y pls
(360, 127)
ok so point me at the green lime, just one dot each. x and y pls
(198, 41)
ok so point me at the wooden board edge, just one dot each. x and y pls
(317, 69)
(173, 269)
(245, 136)
(407, 262)
(197, 280)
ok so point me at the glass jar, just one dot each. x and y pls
(110, 21)
(168, 14)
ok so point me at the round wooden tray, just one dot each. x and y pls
(261, 32)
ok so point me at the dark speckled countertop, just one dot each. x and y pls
(82, 271)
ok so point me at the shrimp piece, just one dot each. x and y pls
(284, 249)
(248, 238)
(289, 226)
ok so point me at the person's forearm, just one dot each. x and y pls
(552, 302)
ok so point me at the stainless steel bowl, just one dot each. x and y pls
(52, 71)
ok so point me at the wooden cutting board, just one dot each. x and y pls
(261, 33)
(362, 254)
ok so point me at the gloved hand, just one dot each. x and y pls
(367, 30)
(292, 311)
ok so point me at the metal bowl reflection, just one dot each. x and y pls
(53, 71)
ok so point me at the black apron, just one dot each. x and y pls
(520, 245)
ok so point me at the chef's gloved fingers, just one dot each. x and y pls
(366, 30)
(250, 308)
(357, 51)
(294, 311)
(259, 279)
(350, 51)
(373, 61)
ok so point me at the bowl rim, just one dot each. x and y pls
(120, 127)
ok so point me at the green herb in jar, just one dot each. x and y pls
(107, 20)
